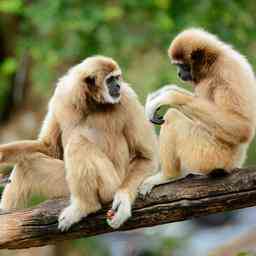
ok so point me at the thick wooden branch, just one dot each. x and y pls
(177, 201)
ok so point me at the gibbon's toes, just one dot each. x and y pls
(145, 188)
(121, 210)
(68, 217)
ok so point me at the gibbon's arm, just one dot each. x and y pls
(50, 136)
(225, 121)
(48, 143)
(13, 152)
(142, 141)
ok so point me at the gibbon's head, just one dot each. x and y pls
(97, 79)
(195, 52)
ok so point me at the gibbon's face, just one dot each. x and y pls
(105, 87)
(195, 67)
(194, 52)
(100, 80)
(184, 72)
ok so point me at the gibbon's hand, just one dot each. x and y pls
(120, 211)
(168, 95)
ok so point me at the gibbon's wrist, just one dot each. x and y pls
(125, 193)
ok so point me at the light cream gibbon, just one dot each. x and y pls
(109, 146)
(212, 127)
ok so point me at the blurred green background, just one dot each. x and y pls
(41, 39)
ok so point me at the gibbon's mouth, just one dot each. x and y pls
(156, 119)
(115, 94)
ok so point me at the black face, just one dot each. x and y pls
(114, 85)
(184, 72)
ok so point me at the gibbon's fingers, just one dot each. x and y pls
(121, 208)
(156, 119)
(159, 98)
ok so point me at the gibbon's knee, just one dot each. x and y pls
(173, 115)
(98, 172)
(174, 124)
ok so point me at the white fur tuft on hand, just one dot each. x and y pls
(122, 208)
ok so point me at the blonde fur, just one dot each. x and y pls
(212, 127)
(109, 147)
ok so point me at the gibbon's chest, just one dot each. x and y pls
(107, 132)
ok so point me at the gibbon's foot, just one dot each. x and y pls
(121, 210)
(69, 216)
(146, 187)
(152, 181)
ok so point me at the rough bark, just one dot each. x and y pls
(180, 200)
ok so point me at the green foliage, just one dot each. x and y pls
(61, 32)
(90, 246)
(11, 6)
(245, 254)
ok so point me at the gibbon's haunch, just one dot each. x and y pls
(109, 147)
(212, 127)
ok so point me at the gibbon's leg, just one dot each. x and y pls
(37, 174)
(91, 177)
(175, 122)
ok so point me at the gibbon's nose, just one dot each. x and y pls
(114, 90)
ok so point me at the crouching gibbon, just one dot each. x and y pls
(97, 123)
(212, 127)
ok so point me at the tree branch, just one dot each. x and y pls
(176, 201)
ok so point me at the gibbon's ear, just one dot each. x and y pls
(203, 56)
(90, 81)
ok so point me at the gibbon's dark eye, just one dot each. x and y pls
(110, 79)
(90, 80)
(184, 67)
(118, 77)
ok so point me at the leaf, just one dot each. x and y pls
(9, 66)
(11, 6)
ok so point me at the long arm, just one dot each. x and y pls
(142, 141)
(224, 116)
(227, 125)
(48, 143)
(50, 136)
(142, 144)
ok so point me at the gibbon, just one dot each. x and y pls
(212, 127)
(108, 144)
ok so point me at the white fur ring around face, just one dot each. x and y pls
(122, 209)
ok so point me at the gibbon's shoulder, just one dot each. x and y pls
(130, 102)
(128, 95)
